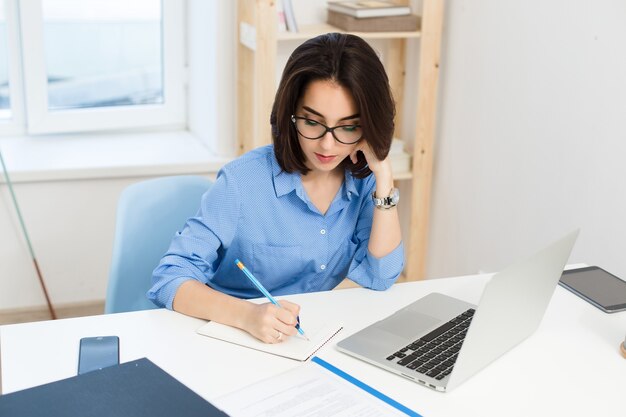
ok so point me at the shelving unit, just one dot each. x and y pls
(256, 82)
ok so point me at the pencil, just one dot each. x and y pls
(265, 292)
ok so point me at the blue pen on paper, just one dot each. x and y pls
(265, 292)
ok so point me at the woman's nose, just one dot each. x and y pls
(328, 140)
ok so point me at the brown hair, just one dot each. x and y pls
(352, 63)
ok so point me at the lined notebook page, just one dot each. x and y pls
(318, 328)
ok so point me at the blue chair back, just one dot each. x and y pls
(149, 213)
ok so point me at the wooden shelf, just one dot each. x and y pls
(308, 31)
(257, 52)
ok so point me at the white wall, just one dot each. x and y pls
(211, 40)
(532, 133)
(71, 226)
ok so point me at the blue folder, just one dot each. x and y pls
(136, 388)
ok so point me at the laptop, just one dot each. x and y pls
(440, 341)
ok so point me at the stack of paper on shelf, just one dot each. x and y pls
(369, 8)
(400, 159)
(372, 16)
(408, 23)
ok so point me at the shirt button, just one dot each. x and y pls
(323, 231)
(322, 267)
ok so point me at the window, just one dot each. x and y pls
(91, 64)
(5, 97)
(11, 96)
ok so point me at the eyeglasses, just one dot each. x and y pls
(311, 129)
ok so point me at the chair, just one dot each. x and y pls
(148, 215)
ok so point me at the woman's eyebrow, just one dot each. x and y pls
(307, 108)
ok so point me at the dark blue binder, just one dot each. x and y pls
(136, 388)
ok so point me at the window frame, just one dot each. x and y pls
(15, 125)
(39, 120)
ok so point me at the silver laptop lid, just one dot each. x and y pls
(511, 308)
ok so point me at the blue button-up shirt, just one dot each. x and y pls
(263, 216)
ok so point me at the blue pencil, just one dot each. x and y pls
(265, 292)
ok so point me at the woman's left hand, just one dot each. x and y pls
(380, 168)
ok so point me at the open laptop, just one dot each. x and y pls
(441, 341)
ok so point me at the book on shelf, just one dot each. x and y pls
(290, 16)
(369, 8)
(407, 23)
(280, 13)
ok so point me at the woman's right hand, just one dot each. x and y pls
(270, 323)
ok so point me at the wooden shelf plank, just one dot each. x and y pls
(425, 125)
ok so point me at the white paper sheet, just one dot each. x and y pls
(306, 391)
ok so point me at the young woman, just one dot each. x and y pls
(302, 214)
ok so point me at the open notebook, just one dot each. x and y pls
(319, 329)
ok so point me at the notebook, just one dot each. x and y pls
(440, 341)
(137, 388)
(319, 327)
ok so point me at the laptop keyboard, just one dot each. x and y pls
(435, 353)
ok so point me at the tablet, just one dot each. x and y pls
(601, 288)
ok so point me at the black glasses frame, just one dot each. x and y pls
(327, 129)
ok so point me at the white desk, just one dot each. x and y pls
(570, 366)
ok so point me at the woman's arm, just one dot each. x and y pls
(379, 256)
(385, 235)
(180, 282)
(263, 321)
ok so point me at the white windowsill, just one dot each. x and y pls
(77, 157)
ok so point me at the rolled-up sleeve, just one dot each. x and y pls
(377, 273)
(193, 252)
(365, 269)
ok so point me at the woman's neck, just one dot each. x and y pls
(322, 187)
(319, 178)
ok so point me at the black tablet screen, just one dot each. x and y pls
(597, 284)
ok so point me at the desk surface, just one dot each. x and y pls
(570, 366)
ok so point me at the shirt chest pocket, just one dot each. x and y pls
(277, 266)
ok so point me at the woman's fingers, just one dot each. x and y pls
(353, 156)
(275, 324)
(287, 318)
(291, 307)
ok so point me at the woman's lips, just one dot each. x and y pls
(324, 159)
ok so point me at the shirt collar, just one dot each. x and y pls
(349, 188)
(285, 182)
